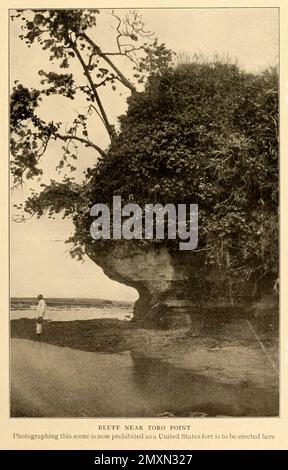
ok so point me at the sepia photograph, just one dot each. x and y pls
(144, 212)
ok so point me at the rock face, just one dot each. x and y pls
(175, 288)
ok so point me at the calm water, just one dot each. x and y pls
(232, 380)
(54, 381)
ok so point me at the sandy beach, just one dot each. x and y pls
(112, 368)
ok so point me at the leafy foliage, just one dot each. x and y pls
(203, 133)
(68, 36)
(208, 134)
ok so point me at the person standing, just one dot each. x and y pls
(40, 312)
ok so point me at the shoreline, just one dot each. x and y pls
(233, 353)
(168, 372)
(85, 335)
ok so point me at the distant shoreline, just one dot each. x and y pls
(69, 301)
(27, 302)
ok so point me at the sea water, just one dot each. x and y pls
(72, 309)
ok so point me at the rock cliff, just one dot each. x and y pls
(174, 287)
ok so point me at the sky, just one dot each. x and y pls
(40, 261)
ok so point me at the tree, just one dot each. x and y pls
(70, 37)
(204, 132)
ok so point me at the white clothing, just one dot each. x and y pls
(40, 312)
(41, 307)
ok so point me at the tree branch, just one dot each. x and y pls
(98, 51)
(107, 124)
(88, 143)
